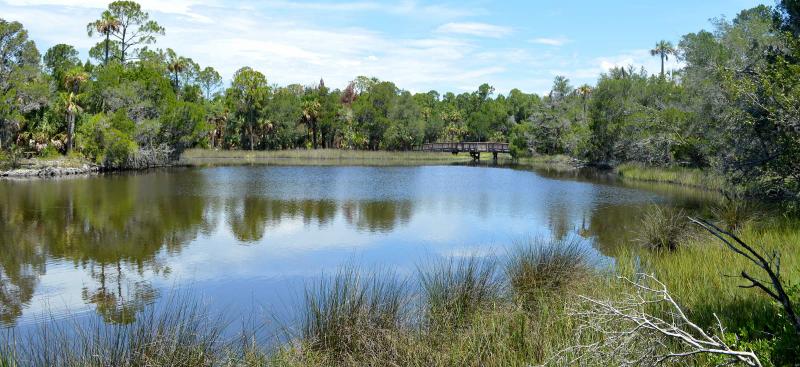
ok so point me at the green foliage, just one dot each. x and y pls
(58, 60)
(107, 139)
(183, 125)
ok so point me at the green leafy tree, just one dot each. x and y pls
(247, 97)
(128, 26)
(210, 81)
(73, 80)
(22, 88)
(60, 59)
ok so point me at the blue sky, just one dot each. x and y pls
(420, 45)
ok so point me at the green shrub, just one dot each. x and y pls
(49, 152)
(100, 140)
(118, 147)
(735, 212)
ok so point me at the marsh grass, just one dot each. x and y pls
(703, 276)
(317, 157)
(664, 228)
(181, 334)
(353, 312)
(540, 267)
(734, 213)
(693, 177)
(453, 290)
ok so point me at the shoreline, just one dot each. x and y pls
(50, 171)
(63, 167)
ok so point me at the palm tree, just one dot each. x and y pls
(106, 25)
(72, 82)
(311, 112)
(71, 104)
(663, 49)
(584, 91)
(175, 67)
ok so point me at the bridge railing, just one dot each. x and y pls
(466, 147)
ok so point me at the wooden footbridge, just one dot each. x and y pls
(473, 148)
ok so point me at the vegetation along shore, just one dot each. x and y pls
(132, 106)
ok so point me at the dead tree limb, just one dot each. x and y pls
(646, 327)
(769, 264)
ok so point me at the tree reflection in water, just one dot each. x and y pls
(121, 234)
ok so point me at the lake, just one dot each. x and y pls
(247, 239)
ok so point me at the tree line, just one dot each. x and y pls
(732, 106)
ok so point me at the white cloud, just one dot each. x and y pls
(476, 29)
(588, 72)
(180, 7)
(558, 41)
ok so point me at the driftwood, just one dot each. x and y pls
(630, 334)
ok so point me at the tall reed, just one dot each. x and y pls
(455, 289)
(540, 267)
(351, 312)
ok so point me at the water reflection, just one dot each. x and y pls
(114, 244)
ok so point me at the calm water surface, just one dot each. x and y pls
(245, 237)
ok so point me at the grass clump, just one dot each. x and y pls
(734, 213)
(455, 289)
(664, 228)
(539, 267)
(351, 313)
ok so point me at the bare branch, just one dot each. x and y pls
(644, 327)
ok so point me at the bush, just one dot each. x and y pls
(104, 143)
(735, 212)
(118, 148)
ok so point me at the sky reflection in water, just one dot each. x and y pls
(243, 236)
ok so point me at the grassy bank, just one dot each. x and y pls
(675, 175)
(523, 308)
(317, 157)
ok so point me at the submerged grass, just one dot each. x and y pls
(693, 177)
(316, 157)
(180, 335)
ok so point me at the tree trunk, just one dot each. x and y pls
(70, 132)
(314, 135)
(105, 62)
(662, 65)
(252, 138)
(122, 45)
